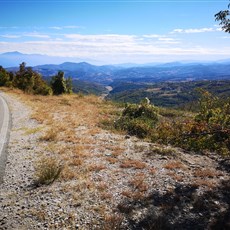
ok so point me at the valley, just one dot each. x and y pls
(77, 160)
(167, 84)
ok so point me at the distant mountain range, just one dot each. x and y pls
(82, 71)
(12, 59)
(106, 74)
(166, 72)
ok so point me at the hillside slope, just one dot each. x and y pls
(108, 180)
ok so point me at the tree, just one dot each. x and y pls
(69, 85)
(223, 17)
(58, 83)
(30, 81)
(61, 85)
(4, 77)
(40, 86)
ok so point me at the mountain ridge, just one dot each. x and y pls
(106, 74)
(14, 58)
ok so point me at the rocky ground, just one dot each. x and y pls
(119, 182)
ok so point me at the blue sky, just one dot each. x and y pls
(115, 31)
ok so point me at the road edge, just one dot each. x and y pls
(4, 136)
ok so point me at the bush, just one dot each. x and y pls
(208, 130)
(214, 118)
(138, 120)
(47, 170)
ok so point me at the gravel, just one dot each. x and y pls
(147, 196)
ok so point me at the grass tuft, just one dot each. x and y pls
(47, 170)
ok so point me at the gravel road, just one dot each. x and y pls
(145, 184)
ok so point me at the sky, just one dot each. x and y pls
(113, 31)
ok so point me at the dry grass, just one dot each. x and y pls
(174, 176)
(112, 222)
(63, 120)
(152, 170)
(116, 150)
(102, 186)
(174, 165)
(96, 167)
(47, 170)
(136, 164)
(32, 130)
(206, 183)
(106, 196)
(139, 184)
(76, 161)
(206, 173)
(111, 160)
(50, 135)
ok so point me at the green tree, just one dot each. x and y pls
(40, 86)
(61, 85)
(223, 17)
(69, 85)
(4, 77)
(30, 81)
(214, 118)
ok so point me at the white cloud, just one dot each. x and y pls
(168, 40)
(10, 36)
(9, 27)
(55, 27)
(152, 36)
(72, 27)
(65, 27)
(115, 48)
(190, 31)
(36, 35)
(116, 38)
(29, 35)
(177, 31)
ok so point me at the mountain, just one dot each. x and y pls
(175, 72)
(83, 71)
(12, 59)
(106, 74)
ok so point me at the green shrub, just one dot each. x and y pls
(214, 118)
(138, 120)
(208, 130)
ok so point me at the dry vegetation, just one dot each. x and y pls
(103, 173)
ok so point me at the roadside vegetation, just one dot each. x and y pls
(206, 130)
(111, 177)
(31, 82)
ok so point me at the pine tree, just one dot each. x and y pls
(61, 85)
